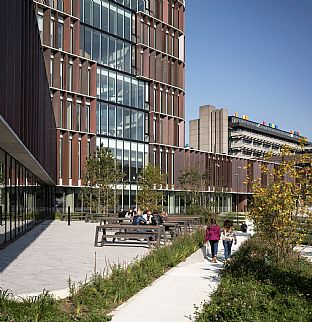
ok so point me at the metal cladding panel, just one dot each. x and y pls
(24, 90)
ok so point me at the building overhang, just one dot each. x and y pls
(13, 145)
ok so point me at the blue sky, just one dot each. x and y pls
(253, 57)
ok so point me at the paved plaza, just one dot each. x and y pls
(52, 252)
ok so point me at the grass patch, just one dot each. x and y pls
(257, 288)
(95, 299)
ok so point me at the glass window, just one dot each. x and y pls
(79, 159)
(97, 13)
(82, 41)
(69, 115)
(127, 90)
(111, 121)
(87, 118)
(98, 82)
(134, 5)
(127, 23)
(81, 10)
(61, 156)
(119, 122)
(119, 89)
(119, 54)
(70, 153)
(112, 19)
(52, 31)
(40, 25)
(112, 87)
(103, 120)
(126, 164)
(60, 34)
(112, 53)
(71, 40)
(78, 116)
(133, 125)
(61, 114)
(141, 6)
(120, 22)
(98, 118)
(105, 16)
(70, 77)
(141, 95)
(105, 40)
(126, 123)
(96, 48)
(127, 58)
(140, 123)
(104, 84)
(88, 43)
(134, 93)
(88, 12)
(61, 74)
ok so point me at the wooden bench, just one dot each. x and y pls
(124, 235)
(74, 216)
(129, 231)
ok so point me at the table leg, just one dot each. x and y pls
(96, 236)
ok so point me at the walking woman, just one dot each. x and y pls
(228, 236)
(213, 233)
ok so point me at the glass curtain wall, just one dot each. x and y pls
(24, 201)
(122, 109)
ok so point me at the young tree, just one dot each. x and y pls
(100, 178)
(150, 181)
(281, 201)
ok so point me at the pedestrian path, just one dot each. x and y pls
(172, 298)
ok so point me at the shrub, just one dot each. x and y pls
(257, 287)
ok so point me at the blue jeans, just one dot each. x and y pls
(227, 248)
(214, 247)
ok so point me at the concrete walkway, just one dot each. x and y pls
(172, 297)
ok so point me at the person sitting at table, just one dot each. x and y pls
(129, 213)
(147, 215)
(157, 219)
(138, 218)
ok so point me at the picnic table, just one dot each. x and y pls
(113, 219)
(95, 217)
(129, 231)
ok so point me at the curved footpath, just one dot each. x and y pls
(173, 297)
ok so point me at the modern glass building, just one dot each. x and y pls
(92, 72)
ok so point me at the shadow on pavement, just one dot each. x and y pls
(14, 249)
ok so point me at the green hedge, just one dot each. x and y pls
(102, 294)
(254, 287)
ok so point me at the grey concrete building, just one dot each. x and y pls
(210, 131)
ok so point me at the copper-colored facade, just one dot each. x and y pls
(27, 124)
(25, 100)
(72, 84)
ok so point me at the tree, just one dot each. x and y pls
(100, 178)
(281, 201)
(151, 180)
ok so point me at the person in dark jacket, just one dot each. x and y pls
(213, 233)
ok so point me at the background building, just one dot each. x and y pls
(210, 131)
(215, 131)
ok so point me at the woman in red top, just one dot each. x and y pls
(213, 233)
